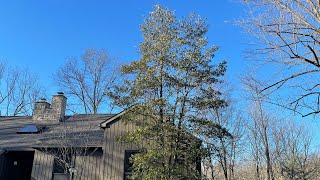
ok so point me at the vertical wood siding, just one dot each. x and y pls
(42, 166)
(109, 166)
(89, 168)
(114, 151)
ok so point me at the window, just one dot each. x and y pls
(58, 166)
(127, 163)
(59, 171)
(31, 129)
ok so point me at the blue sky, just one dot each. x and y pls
(42, 34)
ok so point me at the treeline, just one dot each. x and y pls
(19, 89)
(283, 89)
(86, 81)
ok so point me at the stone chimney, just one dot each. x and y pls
(59, 103)
(44, 112)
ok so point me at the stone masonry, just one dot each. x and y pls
(44, 112)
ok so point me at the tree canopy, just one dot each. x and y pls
(173, 85)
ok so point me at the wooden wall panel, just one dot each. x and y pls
(42, 166)
(88, 168)
(113, 157)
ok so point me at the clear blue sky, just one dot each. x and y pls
(40, 34)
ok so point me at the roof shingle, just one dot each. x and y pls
(77, 130)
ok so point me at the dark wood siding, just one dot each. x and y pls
(42, 166)
(114, 151)
(89, 168)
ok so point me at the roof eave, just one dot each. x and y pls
(107, 122)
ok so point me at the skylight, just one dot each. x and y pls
(30, 129)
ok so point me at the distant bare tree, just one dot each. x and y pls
(259, 128)
(88, 80)
(27, 91)
(289, 39)
(294, 153)
(19, 89)
(224, 143)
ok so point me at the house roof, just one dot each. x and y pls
(109, 121)
(77, 130)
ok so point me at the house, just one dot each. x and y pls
(48, 145)
(33, 147)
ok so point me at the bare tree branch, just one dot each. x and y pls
(289, 38)
(88, 80)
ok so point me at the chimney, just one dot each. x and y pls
(44, 112)
(40, 110)
(59, 103)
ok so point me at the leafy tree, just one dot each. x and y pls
(171, 88)
(217, 142)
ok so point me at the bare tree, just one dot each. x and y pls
(289, 39)
(87, 80)
(19, 89)
(223, 139)
(72, 146)
(259, 128)
(293, 152)
(65, 150)
(27, 91)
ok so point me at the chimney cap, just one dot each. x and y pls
(60, 93)
(43, 100)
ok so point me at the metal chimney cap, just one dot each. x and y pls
(60, 93)
(43, 100)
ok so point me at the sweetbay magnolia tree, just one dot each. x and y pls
(173, 87)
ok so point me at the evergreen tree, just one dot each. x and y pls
(172, 87)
